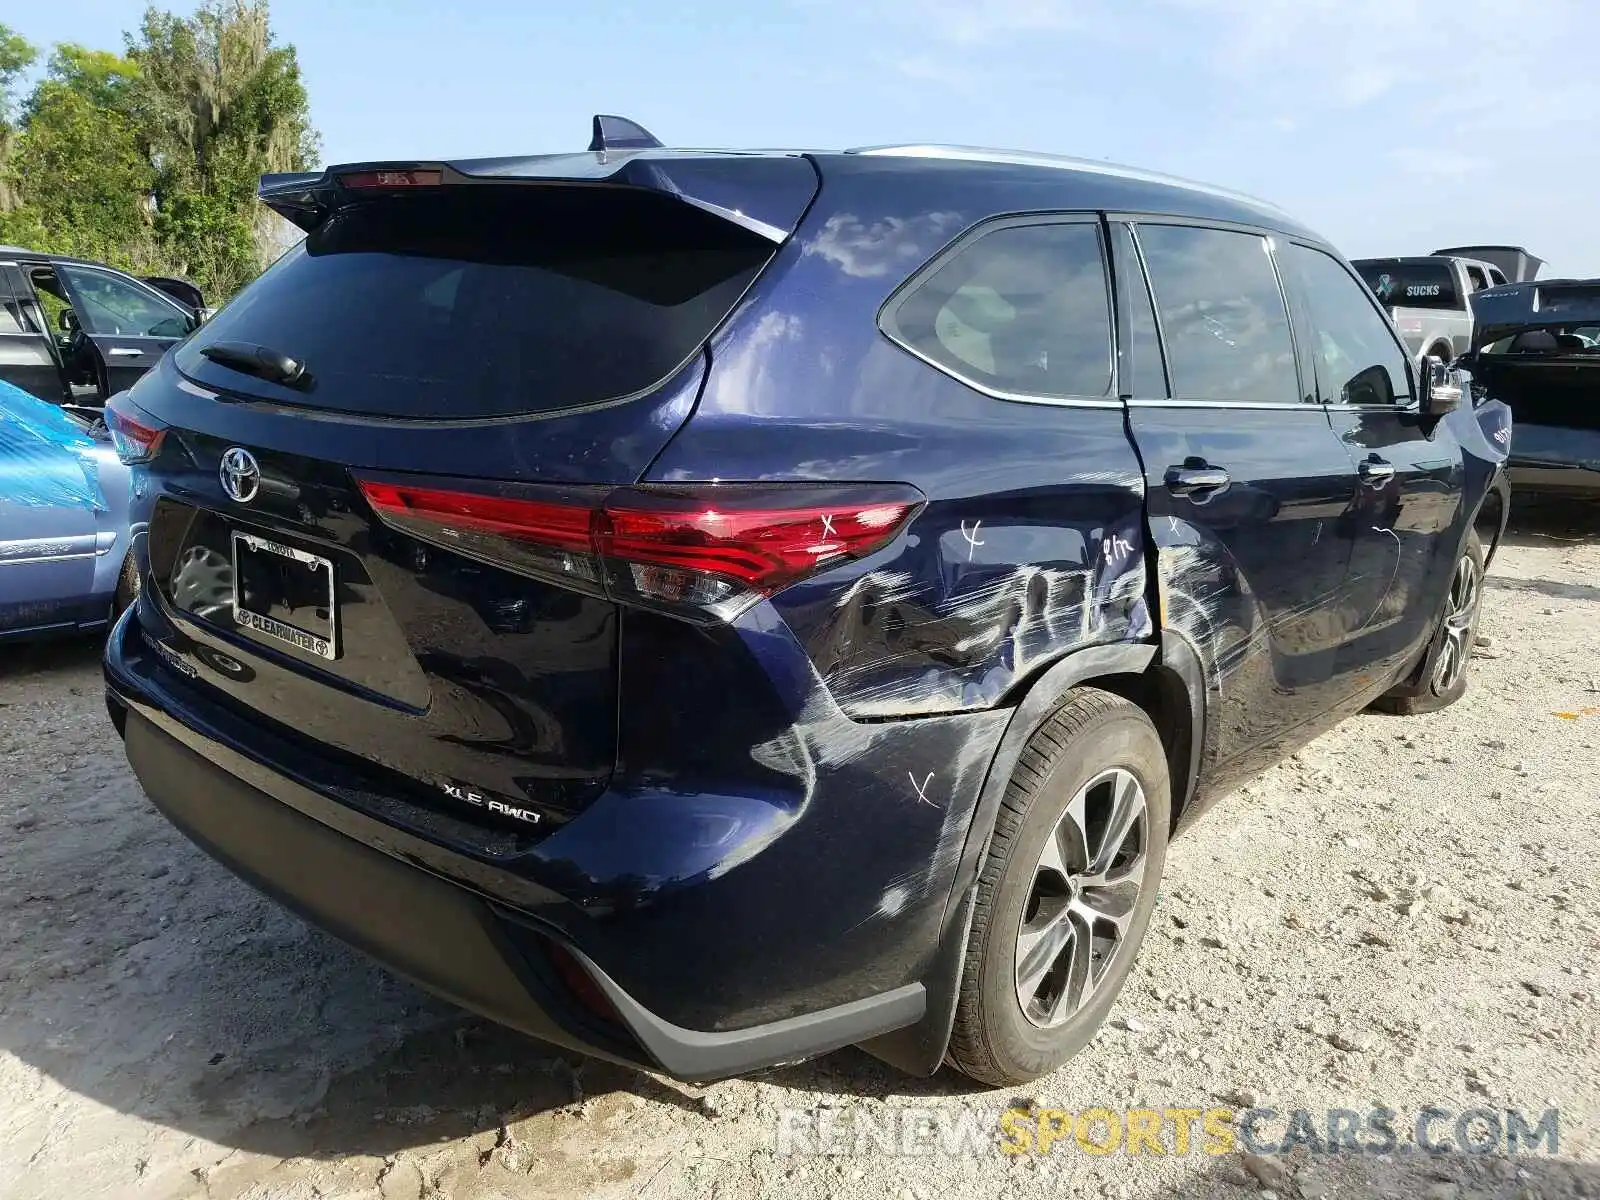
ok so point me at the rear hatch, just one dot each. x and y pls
(526, 333)
(1537, 348)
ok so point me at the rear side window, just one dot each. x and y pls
(1222, 314)
(1405, 284)
(12, 320)
(476, 301)
(1020, 309)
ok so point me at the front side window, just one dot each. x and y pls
(1020, 309)
(1358, 359)
(1222, 314)
(119, 307)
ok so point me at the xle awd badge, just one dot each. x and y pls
(489, 804)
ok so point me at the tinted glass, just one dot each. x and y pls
(108, 304)
(1358, 359)
(1222, 313)
(1149, 379)
(1021, 309)
(1402, 283)
(12, 319)
(486, 301)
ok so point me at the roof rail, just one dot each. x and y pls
(1061, 162)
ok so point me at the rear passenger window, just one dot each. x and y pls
(1358, 359)
(1022, 309)
(1222, 313)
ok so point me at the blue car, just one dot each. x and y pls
(705, 608)
(64, 534)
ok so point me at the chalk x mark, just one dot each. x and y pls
(922, 788)
(973, 540)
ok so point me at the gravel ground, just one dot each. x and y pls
(1402, 915)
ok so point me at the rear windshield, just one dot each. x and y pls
(1411, 284)
(475, 301)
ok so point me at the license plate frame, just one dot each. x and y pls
(326, 648)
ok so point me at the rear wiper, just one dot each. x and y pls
(261, 361)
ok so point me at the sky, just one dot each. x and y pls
(1390, 126)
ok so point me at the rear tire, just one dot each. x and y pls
(127, 590)
(1442, 678)
(1066, 890)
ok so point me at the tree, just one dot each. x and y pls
(150, 160)
(16, 56)
(220, 104)
(85, 179)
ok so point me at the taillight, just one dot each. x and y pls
(135, 433)
(711, 549)
(390, 179)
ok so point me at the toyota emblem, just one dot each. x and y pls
(241, 477)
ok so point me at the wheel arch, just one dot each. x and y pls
(1494, 512)
(1166, 681)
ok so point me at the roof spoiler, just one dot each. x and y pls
(1519, 266)
(765, 194)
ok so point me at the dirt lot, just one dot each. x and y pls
(1403, 915)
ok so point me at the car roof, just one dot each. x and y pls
(8, 252)
(1168, 188)
(1431, 258)
(1152, 191)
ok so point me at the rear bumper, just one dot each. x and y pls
(451, 927)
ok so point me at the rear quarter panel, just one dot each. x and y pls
(1031, 544)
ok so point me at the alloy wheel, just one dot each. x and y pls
(1085, 889)
(1460, 612)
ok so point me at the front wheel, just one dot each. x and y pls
(1066, 892)
(1442, 678)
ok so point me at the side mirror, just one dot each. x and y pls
(1442, 387)
(68, 321)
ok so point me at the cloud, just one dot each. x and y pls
(1434, 163)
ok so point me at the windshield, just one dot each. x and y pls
(1402, 283)
(488, 301)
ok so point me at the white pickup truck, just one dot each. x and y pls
(1427, 295)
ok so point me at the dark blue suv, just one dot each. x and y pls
(705, 609)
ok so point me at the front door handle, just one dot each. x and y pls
(1198, 482)
(1375, 472)
(124, 352)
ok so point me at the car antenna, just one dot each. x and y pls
(619, 133)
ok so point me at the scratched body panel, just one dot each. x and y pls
(1031, 544)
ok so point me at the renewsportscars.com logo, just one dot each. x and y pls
(921, 1131)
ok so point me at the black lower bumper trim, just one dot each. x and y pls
(444, 937)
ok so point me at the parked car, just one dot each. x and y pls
(64, 533)
(706, 609)
(1537, 349)
(75, 332)
(1427, 297)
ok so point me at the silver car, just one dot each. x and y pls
(64, 532)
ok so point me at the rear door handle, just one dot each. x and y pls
(1375, 472)
(124, 352)
(1199, 482)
